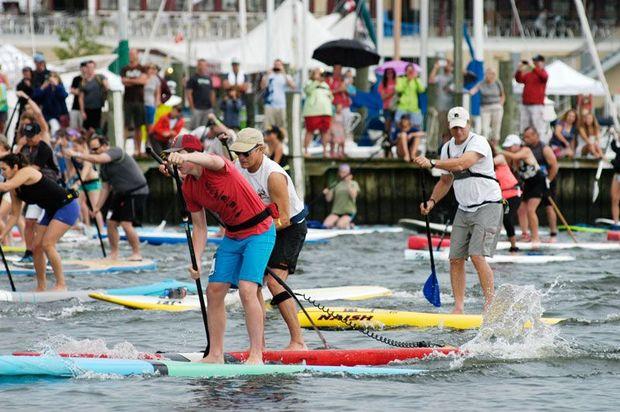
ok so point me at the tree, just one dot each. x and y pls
(78, 40)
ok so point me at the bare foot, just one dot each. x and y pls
(59, 288)
(457, 311)
(296, 346)
(212, 359)
(134, 258)
(112, 256)
(254, 360)
(40, 289)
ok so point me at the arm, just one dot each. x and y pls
(101, 158)
(522, 154)
(158, 95)
(458, 164)
(476, 88)
(277, 154)
(439, 191)
(81, 104)
(199, 237)
(502, 93)
(353, 190)
(290, 82)
(541, 73)
(432, 77)
(499, 160)
(329, 194)
(212, 98)
(278, 191)
(558, 134)
(16, 212)
(552, 162)
(210, 162)
(263, 81)
(21, 177)
(519, 76)
(190, 97)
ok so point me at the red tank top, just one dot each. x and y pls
(507, 181)
(227, 193)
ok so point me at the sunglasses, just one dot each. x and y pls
(246, 154)
(94, 149)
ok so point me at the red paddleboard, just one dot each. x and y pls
(613, 235)
(420, 242)
(324, 357)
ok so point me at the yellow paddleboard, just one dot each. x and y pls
(14, 249)
(381, 318)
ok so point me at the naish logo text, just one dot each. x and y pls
(346, 317)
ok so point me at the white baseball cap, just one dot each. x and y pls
(511, 140)
(458, 117)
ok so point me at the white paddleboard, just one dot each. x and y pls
(563, 245)
(605, 222)
(420, 225)
(412, 254)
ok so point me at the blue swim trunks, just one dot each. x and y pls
(68, 214)
(243, 259)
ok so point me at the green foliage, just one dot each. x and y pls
(79, 41)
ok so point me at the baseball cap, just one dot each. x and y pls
(247, 139)
(235, 61)
(39, 57)
(31, 129)
(458, 117)
(511, 140)
(538, 58)
(185, 142)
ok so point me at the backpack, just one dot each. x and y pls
(164, 90)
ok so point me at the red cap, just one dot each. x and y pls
(185, 142)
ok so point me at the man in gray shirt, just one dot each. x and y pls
(92, 96)
(120, 173)
(443, 76)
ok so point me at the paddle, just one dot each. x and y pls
(190, 243)
(599, 170)
(431, 287)
(444, 233)
(6, 267)
(89, 204)
(562, 218)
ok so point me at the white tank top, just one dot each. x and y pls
(259, 181)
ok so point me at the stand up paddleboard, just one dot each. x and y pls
(91, 267)
(193, 303)
(533, 259)
(48, 366)
(420, 226)
(380, 318)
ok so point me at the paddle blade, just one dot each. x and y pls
(595, 191)
(431, 290)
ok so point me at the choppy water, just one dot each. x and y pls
(575, 365)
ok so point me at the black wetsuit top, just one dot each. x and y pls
(45, 193)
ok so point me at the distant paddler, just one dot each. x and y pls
(466, 163)
(61, 210)
(213, 182)
(274, 185)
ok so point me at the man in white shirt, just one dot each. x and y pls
(275, 83)
(466, 163)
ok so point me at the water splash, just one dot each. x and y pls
(56, 345)
(512, 328)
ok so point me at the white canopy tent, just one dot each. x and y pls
(13, 61)
(340, 27)
(566, 81)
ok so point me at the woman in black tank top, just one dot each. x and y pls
(27, 184)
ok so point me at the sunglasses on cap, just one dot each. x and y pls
(246, 154)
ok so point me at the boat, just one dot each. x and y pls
(55, 366)
(420, 242)
(382, 318)
(440, 228)
(193, 303)
(154, 289)
(412, 254)
(323, 357)
(89, 267)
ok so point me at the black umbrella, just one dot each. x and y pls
(346, 52)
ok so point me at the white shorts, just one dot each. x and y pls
(34, 212)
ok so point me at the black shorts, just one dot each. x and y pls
(128, 208)
(549, 192)
(534, 187)
(93, 119)
(135, 115)
(289, 242)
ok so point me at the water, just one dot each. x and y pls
(574, 365)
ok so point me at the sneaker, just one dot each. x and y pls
(26, 259)
(513, 249)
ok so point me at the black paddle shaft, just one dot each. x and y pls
(89, 204)
(428, 226)
(6, 267)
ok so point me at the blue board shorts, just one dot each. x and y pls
(68, 214)
(243, 259)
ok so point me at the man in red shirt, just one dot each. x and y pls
(212, 182)
(534, 78)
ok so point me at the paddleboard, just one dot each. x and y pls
(91, 267)
(420, 226)
(232, 298)
(324, 357)
(380, 318)
(608, 223)
(54, 366)
(154, 289)
(13, 249)
(420, 242)
(583, 228)
(411, 254)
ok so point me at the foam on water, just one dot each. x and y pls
(504, 335)
(55, 345)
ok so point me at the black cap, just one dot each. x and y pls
(538, 58)
(84, 63)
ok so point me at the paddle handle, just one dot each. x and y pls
(6, 267)
(562, 218)
(89, 204)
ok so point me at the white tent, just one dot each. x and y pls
(12, 61)
(566, 81)
(340, 27)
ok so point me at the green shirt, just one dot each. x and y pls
(4, 101)
(344, 204)
(408, 91)
(318, 99)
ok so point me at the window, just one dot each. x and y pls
(108, 4)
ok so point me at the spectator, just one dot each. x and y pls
(4, 100)
(589, 136)
(344, 196)
(340, 91)
(338, 134)
(134, 78)
(615, 181)
(387, 90)
(52, 96)
(274, 139)
(443, 76)
(406, 137)
(275, 83)
(491, 105)
(25, 84)
(317, 110)
(409, 88)
(534, 78)
(40, 74)
(152, 94)
(167, 127)
(231, 106)
(200, 95)
(236, 79)
(75, 114)
(565, 135)
(93, 95)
